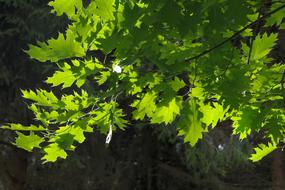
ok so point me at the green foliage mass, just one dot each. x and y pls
(155, 75)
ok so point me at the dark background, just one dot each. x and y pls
(141, 158)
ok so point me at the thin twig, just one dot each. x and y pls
(235, 34)
(253, 38)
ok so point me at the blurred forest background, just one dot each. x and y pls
(142, 158)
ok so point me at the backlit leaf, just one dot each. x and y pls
(262, 150)
(28, 142)
(57, 49)
(190, 125)
(65, 6)
(167, 111)
(53, 152)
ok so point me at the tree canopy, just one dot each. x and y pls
(189, 64)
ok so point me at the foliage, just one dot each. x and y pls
(156, 75)
(261, 151)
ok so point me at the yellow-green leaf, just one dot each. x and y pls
(53, 152)
(262, 150)
(28, 142)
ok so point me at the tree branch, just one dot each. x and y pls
(235, 34)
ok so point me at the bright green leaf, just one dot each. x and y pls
(28, 142)
(167, 112)
(53, 152)
(66, 6)
(19, 127)
(262, 150)
(145, 107)
(66, 78)
(190, 125)
(57, 49)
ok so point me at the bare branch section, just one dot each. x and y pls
(235, 34)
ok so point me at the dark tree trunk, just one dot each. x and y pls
(13, 172)
(278, 171)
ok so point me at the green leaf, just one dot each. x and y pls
(78, 134)
(198, 92)
(104, 75)
(249, 119)
(28, 142)
(262, 45)
(212, 114)
(77, 71)
(109, 115)
(177, 84)
(102, 118)
(19, 127)
(66, 78)
(53, 152)
(190, 125)
(57, 49)
(41, 97)
(69, 7)
(167, 111)
(70, 103)
(105, 9)
(118, 119)
(64, 141)
(71, 133)
(277, 17)
(274, 124)
(233, 86)
(262, 150)
(145, 107)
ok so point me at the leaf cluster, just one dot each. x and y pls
(153, 77)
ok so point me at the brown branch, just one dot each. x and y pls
(235, 34)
